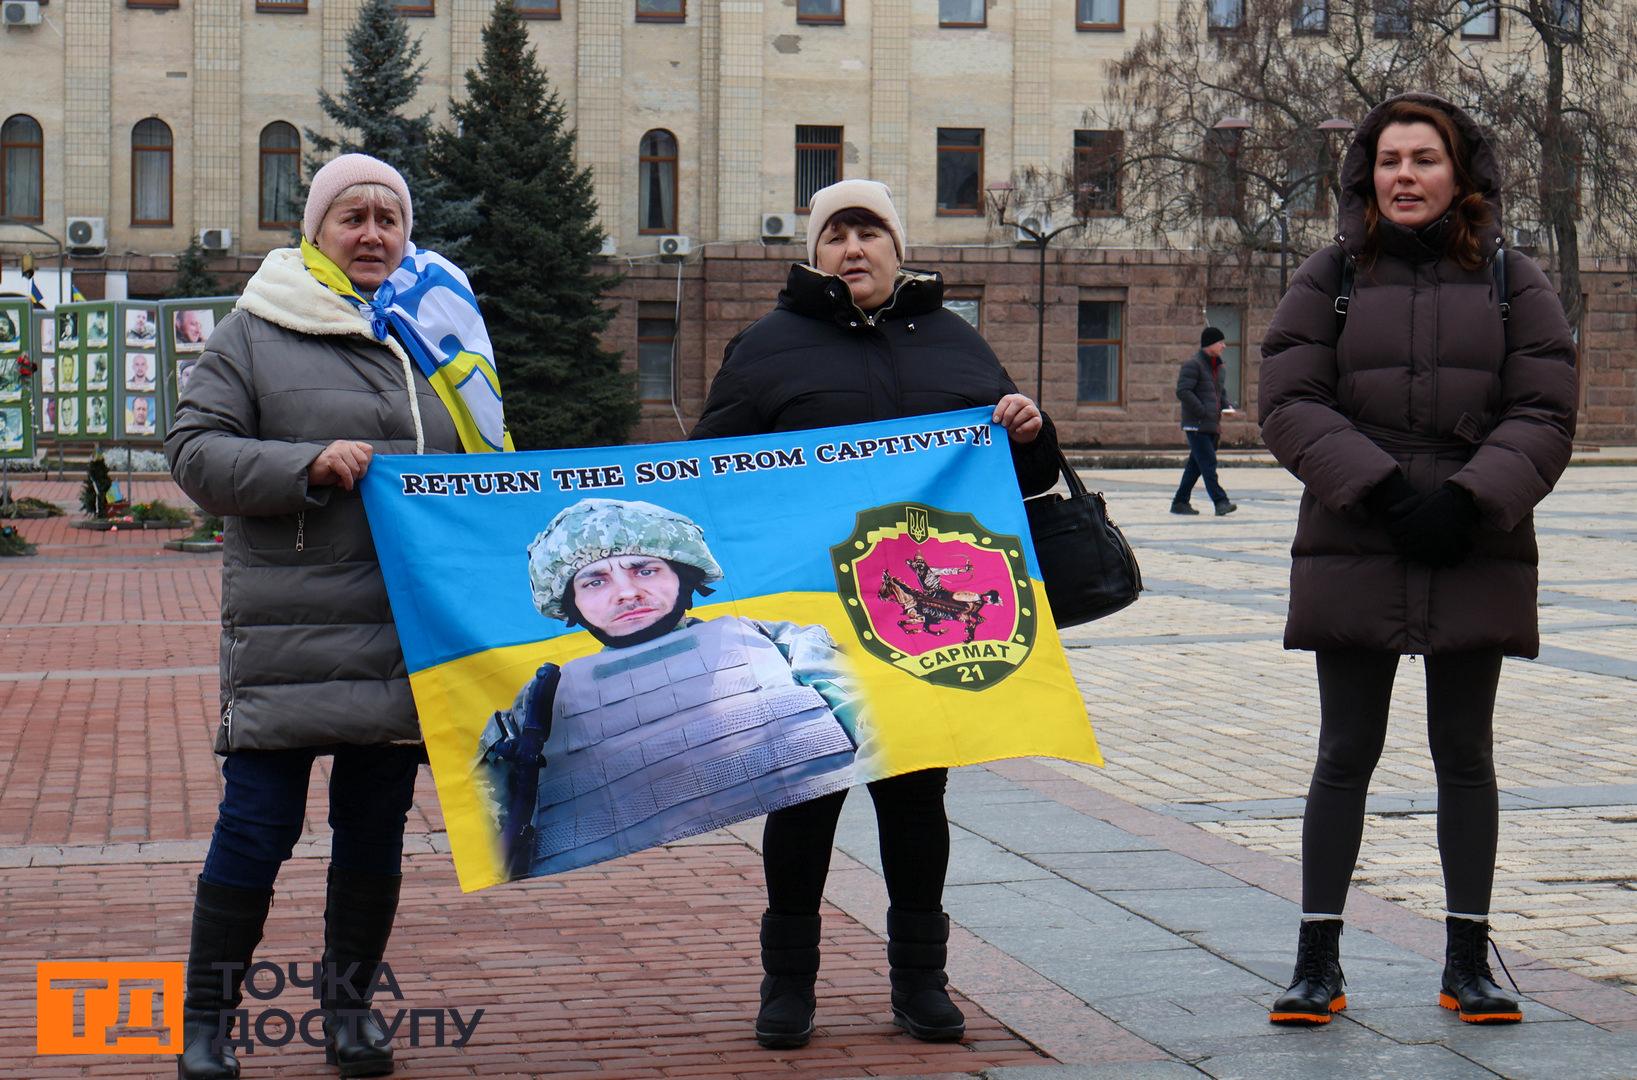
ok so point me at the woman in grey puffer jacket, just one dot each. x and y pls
(291, 399)
(1425, 428)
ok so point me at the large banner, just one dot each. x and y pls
(617, 647)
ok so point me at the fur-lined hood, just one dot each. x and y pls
(285, 293)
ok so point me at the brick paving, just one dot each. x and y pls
(1077, 892)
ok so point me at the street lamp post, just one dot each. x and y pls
(1000, 199)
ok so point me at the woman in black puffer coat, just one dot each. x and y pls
(855, 337)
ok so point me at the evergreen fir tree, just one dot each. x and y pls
(192, 278)
(535, 246)
(384, 69)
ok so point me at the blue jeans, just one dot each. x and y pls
(1201, 463)
(264, 803)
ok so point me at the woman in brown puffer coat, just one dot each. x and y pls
(1426, 422)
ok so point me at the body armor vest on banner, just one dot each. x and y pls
(678, 736)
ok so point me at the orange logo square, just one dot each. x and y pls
(104, 1007)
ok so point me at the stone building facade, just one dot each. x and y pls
(698, 117)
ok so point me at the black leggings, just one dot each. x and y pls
(1355, 688)
(909, 811)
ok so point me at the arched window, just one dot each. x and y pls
(151, 172)
(656, 182)
(280, 175)
(22, 169)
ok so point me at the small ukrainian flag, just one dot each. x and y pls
(75, 295)
(34, 292)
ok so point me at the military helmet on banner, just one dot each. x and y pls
(596, 529)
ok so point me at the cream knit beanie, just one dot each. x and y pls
(871, 195)
(343, 173)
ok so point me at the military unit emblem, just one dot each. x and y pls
(936, 595)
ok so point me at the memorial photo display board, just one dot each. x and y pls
(16, 400)
(184, 327)
(105, 383)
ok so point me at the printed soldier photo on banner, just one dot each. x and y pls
(11, 332)
(139, 371)
(96, 371)
(68, 372)
(139, 416)
(679, 725)
(141, 332)
(937, 595)
(96, 415)
(11, 429)
(96, 329)
(68, 329)
(193, 327)
(68, 416)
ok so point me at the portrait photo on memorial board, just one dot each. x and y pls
(139, 371)
(11, 428)
(68, 329)
(68, 416)
(48, 335)
(48, 415)
(11, 333)
(96, 329)
(141, 331)
(139, 416)
(193, 328)
(96, 371)
(68, 372)
(48, 373)
(11, 378)
(184, 374)
(96, 415)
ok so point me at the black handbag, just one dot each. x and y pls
(1087, 565)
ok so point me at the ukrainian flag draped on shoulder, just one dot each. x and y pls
(428, 305)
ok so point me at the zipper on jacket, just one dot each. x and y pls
(301, 530)
(882, 311)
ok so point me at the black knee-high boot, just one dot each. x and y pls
(917, 948)
(227, 927)
(359, 910)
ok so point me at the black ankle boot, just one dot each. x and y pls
(917, 948)
(359, 910)
(227, 927)
(790, 959)
(1469, 985)
(1316, 988)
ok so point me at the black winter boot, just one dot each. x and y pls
(1469, 985)
(227, 926)
(1316, 988)
(790, 959)
(359, 909)
(917, 948)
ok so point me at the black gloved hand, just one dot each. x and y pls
(1437, 528)
(1390, 494)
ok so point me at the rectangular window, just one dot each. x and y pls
(1307, 172)
(1223, 185)
(960, 171)
(662, 10)
(821, 11)
(1483, 19)
(656, 350)
(970, 310)
(1310, 17)
(1225, 14)
(1099, 350)
(540, 9)
(963, 13)
(1097, 172)
(288, 7)
(22, 169)
(1099, 15)
(1568, 15)
(1231, 321)
(1393, 18)
(818, 161)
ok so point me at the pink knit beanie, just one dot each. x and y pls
(871, 195)
(343, 173)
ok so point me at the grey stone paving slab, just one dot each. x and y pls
(1548, 1051)
(1100, 914)
(1105, 969)
(1378, 1059)
(1429, 1023)
(1107, 871)
(1044, 827)
(1125, 1070)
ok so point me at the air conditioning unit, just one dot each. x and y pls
(675, 247)
(20, 13)
(215, 239)
(1037, 220)
(87, 235)
(610, 247)
(778, 226)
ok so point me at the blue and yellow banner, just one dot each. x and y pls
(617, 647)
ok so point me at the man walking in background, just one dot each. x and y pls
(1199, 388)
